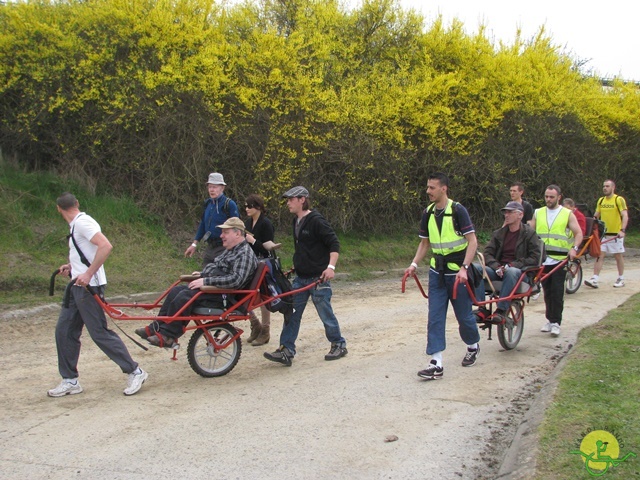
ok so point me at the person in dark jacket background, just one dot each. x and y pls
(512, 247)
(316, 254)
(259, 231)
(217, 210)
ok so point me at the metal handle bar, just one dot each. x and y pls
(415, 277)
(52, 281)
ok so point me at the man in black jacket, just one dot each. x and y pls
(512, 247)
(316, 254)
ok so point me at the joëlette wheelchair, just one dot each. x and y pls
(215, 345)
(511, 325)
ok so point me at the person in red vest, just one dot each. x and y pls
(582, 220)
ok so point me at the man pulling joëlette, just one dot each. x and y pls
(89, 248)
(447, 230)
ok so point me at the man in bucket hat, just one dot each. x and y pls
(512, 247)
(217, 209)
(233, 269)
(316, 255)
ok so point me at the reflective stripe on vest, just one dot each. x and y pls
(447, 240)
(556, 239)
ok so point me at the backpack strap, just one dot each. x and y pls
(83, 259)
(456, 223)
(615, 201)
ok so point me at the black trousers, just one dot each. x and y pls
(553, 288)
(176, 299)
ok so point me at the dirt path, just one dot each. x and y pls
(314, 420)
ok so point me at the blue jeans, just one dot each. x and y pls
(321, 296)
(440, 294)
(509, 280)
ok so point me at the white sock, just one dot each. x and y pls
(72, 381)
(472, 347)
(137, 371)
(438, 358)
(595, 277)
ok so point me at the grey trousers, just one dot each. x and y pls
(82, 311)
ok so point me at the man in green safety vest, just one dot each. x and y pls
(553, 223)
(447, 230)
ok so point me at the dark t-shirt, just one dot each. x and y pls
(528, 211)
(509, 247)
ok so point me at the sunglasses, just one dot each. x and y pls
(249, 206)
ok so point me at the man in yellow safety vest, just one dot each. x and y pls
(447, 229)
(552, 224)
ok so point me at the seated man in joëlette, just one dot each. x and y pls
(233, 269)
(512, 247)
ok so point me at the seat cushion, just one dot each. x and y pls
(207, 311)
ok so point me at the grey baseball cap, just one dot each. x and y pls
(513, 206)
(298, 191)
(216, 179)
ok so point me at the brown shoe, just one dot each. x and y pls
(161, 341)
(256, 328)
(262, 338)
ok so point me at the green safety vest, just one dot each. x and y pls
(556, 239)
(446, 241)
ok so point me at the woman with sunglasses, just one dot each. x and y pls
(259, 230)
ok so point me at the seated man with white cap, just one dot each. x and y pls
(231, 270)
(512, 247)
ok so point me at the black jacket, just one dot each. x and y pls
(528, 250)
(263, 232)
(315, 241)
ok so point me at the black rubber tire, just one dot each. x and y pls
(574, 277)
(204, 360)
(510, 333)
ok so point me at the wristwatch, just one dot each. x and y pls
(623, 230)
(466, 267)
(576, 248)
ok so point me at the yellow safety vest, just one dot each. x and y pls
(557, 241)
(446, 241)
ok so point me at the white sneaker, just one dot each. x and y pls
(135, 381)
(593, 283)
(546, 328)
(555, 329)
(66, 387)
(619, 283)
(535, 296)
